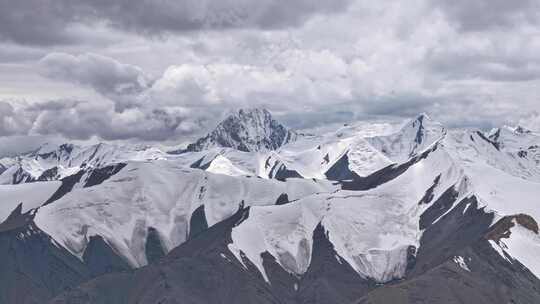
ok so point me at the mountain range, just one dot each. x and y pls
(254, 212)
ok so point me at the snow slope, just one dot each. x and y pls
(499, 179)
(30, 195)
(524, 246)
(159, 194)
(372, 230)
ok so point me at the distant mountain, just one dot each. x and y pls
(247, 130)
(416, 135)
(54, 162)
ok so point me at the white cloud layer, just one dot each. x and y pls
(467, 64)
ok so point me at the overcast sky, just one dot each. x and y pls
(168, 70)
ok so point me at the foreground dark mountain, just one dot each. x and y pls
(455, 264)
(371, 213)
(34, 268)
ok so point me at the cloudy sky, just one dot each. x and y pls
(166, 70)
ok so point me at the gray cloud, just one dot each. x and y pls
(35, 22)
(10, 122)
(466, 64)
(46, 22)
(10, 53)
(482, 15)
(83, 120)
(151, 16)
(494, 61)
(103, 74)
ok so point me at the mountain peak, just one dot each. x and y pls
(420, 125)
(422, 120)
(246, 130)
(421, 117)
(49, 148)
(414, 136)
(515, 129)
(254, 111)
(521, 130)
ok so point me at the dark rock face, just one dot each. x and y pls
(247, 130)
(428, 196)
(32, 268)
(280, 172)
(494, 142)
(491, 280)
(340, 170)
(439, 207)
(329, 278)
(419, 125)
(95, 177)
(153, 248)
(437, 278)
(67, 185)
(49, 174)
(100, 258)
(99, 175)
(383, 175)
(197, 223)
(200, 165)
(502, 228)
(463, 226)
(282, 199)
(21, 176)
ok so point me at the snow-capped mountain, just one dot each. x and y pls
(370, 213)
(413, 137)
(54, 162)
(517, 141)
(247, 130)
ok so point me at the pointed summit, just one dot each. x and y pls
(418, 125)
(515, 139)
(421, 127)
(413, 137)
(246, 130)
(421, 117)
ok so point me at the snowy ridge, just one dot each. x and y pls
(371, 230)
(161, 195)
(53, 162)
